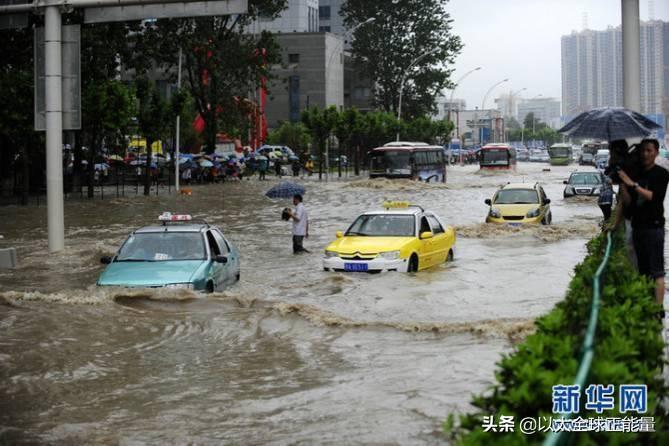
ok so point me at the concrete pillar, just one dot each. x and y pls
(631, 55)
(54, 128)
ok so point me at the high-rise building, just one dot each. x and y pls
(592, 69)
(507, 104)
(544, 109)
(329, 18)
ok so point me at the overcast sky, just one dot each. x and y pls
(520, 40)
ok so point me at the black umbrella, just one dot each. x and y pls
(285, 190)
(609, 124)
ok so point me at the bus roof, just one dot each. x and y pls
(404, 144)
(496, 145)
(408, 148)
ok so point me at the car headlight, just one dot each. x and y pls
(390, 255)
(495, 213)
(329, 254)
(569, 189)
(595, 190)
(185, 286)
(534, 213)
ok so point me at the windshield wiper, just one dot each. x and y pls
(133, 260)
(356, 233)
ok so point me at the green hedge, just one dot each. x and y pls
(629, 349)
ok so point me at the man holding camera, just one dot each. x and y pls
(645, 197)
(300, 224)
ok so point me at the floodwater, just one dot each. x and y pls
(291, 354)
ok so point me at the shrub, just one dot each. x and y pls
(628, 350)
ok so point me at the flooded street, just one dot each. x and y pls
(291, 354)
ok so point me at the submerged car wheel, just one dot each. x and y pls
(413, 264)
(210, 287)
(450, 256)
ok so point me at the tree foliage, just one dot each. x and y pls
(293, 134)
(222, 62)
(321, 123)
(385, 48)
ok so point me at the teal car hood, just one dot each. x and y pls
(138, 274)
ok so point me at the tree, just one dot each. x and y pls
(222, 62)
(293, 134)
(107, 104)
(155, 119)
(350, 131)
(531, 122)
(512, 123)
(19, 143)
(384, 49)
(320, 123)
(109, 108)
(425, 129)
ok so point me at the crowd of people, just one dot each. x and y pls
(239, 168)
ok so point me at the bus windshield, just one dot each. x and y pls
(393, 160)
(495, 156)
(559, 152)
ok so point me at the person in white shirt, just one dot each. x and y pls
(300, 224)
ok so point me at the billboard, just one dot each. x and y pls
(156, 10)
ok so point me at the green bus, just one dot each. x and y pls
(561, 154)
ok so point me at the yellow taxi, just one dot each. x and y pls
(401, 237)
(519, 203)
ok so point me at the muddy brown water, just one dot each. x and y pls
(291, 354)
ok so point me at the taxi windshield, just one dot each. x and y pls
(517, 196)
(162, 246)
(383, 225)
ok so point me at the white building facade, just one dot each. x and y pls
(301, 16)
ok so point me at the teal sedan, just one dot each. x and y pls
(177, 254)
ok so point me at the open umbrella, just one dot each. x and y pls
(115, 158)
(285, 189)
(206, 163)
(609, 124)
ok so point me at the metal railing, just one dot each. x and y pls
(557, 438)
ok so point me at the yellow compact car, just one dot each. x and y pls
(519, 203)
(402, 238)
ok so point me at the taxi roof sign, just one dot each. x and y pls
(168, 216)
(396, 204)
(401, 205)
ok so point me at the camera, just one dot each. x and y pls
(285, 214)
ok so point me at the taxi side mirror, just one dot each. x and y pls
(339, 234)
(221, 259)
(547, 201)
(565, 182)
(426, 235)
(488, 202)
(106, 260)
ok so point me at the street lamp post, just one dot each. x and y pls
(404, 75)
(450, 101)
(483, 104)
(450, 107)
